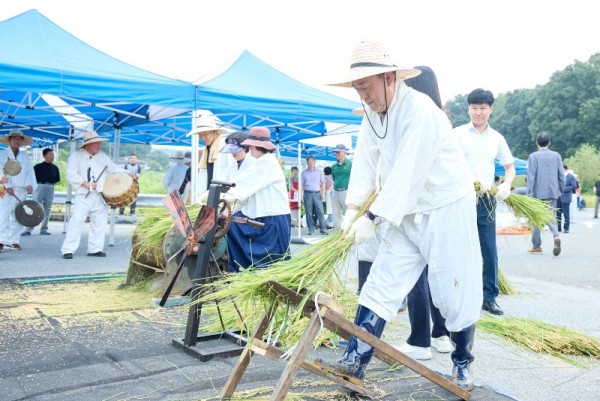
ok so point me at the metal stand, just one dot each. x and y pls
(222, 344)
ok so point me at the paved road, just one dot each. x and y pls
(41, 256)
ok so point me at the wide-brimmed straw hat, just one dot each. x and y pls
(371, 58)
(91, 137)
(205, 124)
(27, 140)
(261, 137)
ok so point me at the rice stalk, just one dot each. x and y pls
(504, 286)
(151, 231)
(307, 272)
(537, 212)
(541, 337)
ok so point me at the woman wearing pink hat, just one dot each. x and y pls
(262, 192)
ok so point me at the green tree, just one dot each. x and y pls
(562, 106)
(585, 162)
(511, 118)
(457, 110)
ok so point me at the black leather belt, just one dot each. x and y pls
(312, 192)
(46, 183)
(341, 189)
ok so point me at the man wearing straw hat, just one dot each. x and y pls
(212, 164)
(175, 175)
(19, 185)
(87, 169)
(407, 152)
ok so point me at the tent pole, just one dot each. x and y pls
(195, 191)
(298, 239)
(69, 186)
(113, 215)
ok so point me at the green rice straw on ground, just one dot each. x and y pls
(541, 337)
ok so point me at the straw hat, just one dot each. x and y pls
(359, 111)
(261, 137)
(27, 140)
(91, 137)
(370, 58)
(205, 124)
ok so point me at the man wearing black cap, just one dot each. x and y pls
(340, 172)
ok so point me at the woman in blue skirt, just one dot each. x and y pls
(261, 191)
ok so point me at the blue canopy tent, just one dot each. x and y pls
(250, 93)
(39, 58)
(520, 167)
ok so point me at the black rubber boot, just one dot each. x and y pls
(352, 365)
(462, 357)
(364, 268)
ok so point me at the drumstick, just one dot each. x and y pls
(96, 180)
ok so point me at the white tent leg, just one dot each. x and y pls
(68, 202)
(113, 217)
(298, 239)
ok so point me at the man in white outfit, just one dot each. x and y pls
(407, 152)
(22, 184)
(87, 169)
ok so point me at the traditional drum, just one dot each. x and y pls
(120, 190)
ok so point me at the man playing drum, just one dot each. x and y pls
(21, 183)
(87, 169)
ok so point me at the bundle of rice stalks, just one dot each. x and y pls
(152, 229)
(309, 271)
(537, 212)
(541, 337)
(504, 285)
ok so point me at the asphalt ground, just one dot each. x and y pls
(127, 353)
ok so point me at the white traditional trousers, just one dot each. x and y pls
(10, 228)
(445, 238)
(94, 206)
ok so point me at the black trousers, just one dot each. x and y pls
(563, 209)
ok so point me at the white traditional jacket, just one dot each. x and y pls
(414, 159)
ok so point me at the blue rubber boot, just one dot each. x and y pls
(352, 365)
(462, 357)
